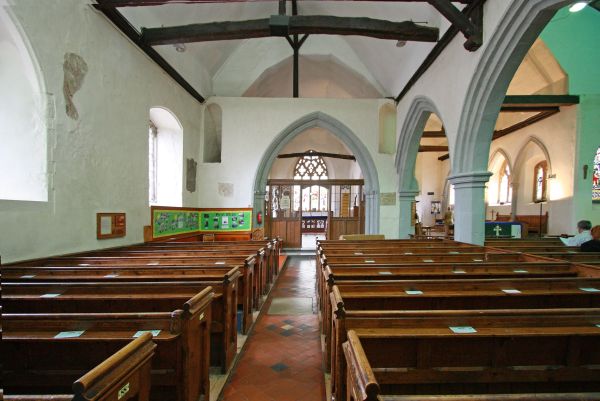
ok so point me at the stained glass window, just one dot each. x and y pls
(596, 178)
(310, 167)
(539, 181)
(504, 185)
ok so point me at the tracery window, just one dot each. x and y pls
(504, 185)
(310, 167)
(596, 178)
(540, 176)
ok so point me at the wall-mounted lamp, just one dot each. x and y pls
(551, 176)
(179, 47)
(585, 170)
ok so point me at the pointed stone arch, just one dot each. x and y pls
(507, 46)
(344, 134)
(502, 153)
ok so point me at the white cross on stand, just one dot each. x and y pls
(497, 230)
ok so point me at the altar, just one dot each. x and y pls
(503, 229)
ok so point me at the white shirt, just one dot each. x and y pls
(579, 239)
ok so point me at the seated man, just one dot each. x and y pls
(583, 229)
(592, 245)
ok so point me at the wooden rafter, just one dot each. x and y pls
(146, 3)
(279, 25)
(542, 115)
(313, 153)
(460, 21)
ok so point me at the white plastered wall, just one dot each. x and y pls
(98, 163)
(251, 124)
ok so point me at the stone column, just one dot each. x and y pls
(405, 200)
(371, 212)
(469, 206)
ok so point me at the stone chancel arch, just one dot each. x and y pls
(342, 132)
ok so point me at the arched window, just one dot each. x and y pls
(310, 167)
(596, 178)
(504, 184)
(165, 159)
(540, 176)
(23, 128)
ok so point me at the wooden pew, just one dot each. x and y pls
(125, 297)
(247, 297)
(124, 376)
(549, 352)
(333, 274)
(350, 302)
(249, 272)
(179, 369)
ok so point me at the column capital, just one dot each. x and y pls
(475, 179)
(410, 194)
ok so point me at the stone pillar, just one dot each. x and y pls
(405, 200)
(469, 206)
(371, 212)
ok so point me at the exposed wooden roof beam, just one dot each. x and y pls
(516, 127)
(145, 3)
(461, 21)
(434, 134)
(474, 7)
(313, 153)
(529, 101)
(433, 148)
(279, 25)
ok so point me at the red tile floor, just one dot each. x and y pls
(282, 358)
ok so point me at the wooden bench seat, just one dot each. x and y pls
(179, 368)
(496, 397)
(125, 376)
(509, 352)
(94, 297)
(248, 296)
(357, 301)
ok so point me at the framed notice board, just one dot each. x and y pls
(169, 221)
(110, 225)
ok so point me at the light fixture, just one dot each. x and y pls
(401, 43)
(180, 47)
(580, 5)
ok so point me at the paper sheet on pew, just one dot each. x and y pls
(142, 332)
(589, 289)
(358, 253)
(28, 276)
(414, 292)
(69, 334)
(111, 275)
(511, 291)
(219, 263)
(462, 329)
(50, 295)
(520, 271)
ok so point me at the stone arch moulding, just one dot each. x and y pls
(506, 48)
(408, 142)
(343, 133)
(501, 152)
(521, 156)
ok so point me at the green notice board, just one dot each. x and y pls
(226, 220)
(174, 221)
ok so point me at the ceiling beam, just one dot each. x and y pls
(434, 134)
(516, 127)
(525, 101)
(121, 23)
(461, 21)
(289, 25)
(146, 3)
(313, 153)
(433, 148)
(472, 9)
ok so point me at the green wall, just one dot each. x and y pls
(574, 38)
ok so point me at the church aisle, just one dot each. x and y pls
(282, 360)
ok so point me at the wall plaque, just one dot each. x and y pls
(110, 225)
(387, 199)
